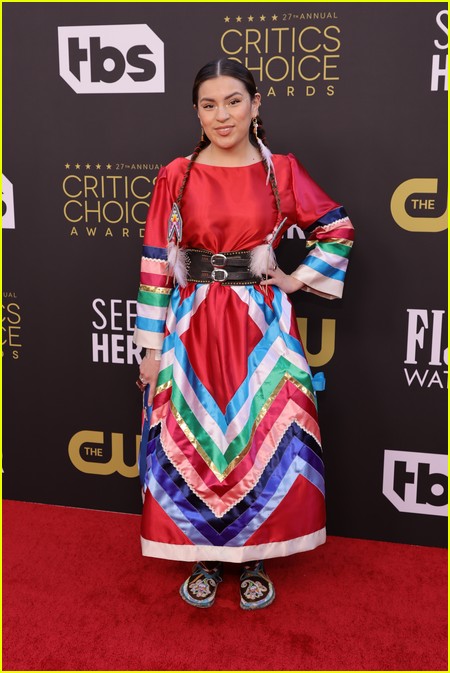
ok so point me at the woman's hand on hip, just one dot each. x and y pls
(282, 280)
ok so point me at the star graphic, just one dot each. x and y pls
(262, 18)
(97, 165)
(250, 18)
(238, 19)
(67, 166)
(77, 166)
(274, 17)
(88, 165)
(108, 166)
(227, 19)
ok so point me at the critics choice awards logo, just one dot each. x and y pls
(11, 325)
(111, 59)
(107, 199)
(289, 53)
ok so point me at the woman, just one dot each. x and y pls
(233, 469)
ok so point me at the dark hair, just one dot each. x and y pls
(230, 68)
(227, 67)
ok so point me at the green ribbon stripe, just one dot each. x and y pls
(336, 248)
(153, 298)
(204, 439)
(164, 375)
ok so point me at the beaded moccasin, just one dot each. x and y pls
(201, 587)
(257, 590)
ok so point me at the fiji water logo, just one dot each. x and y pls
(426, 357)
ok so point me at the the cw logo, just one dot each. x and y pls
(86, 453)
(419, 187)
(326, 351)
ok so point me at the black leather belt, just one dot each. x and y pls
(228, 268)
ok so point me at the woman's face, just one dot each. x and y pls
(225, 110)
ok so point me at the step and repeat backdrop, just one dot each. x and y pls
(97, 97)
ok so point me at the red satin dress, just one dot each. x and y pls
(233, 466)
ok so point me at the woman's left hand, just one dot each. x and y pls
(282, 280)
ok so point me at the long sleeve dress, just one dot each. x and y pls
(233, 466)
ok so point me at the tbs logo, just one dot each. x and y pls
(7, 204)
(111, 59)
(416, 482)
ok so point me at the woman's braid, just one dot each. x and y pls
(201, 146)
(272, 178)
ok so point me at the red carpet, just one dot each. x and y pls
(77, 595)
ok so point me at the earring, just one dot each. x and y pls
(202, 137)
(255, 127)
